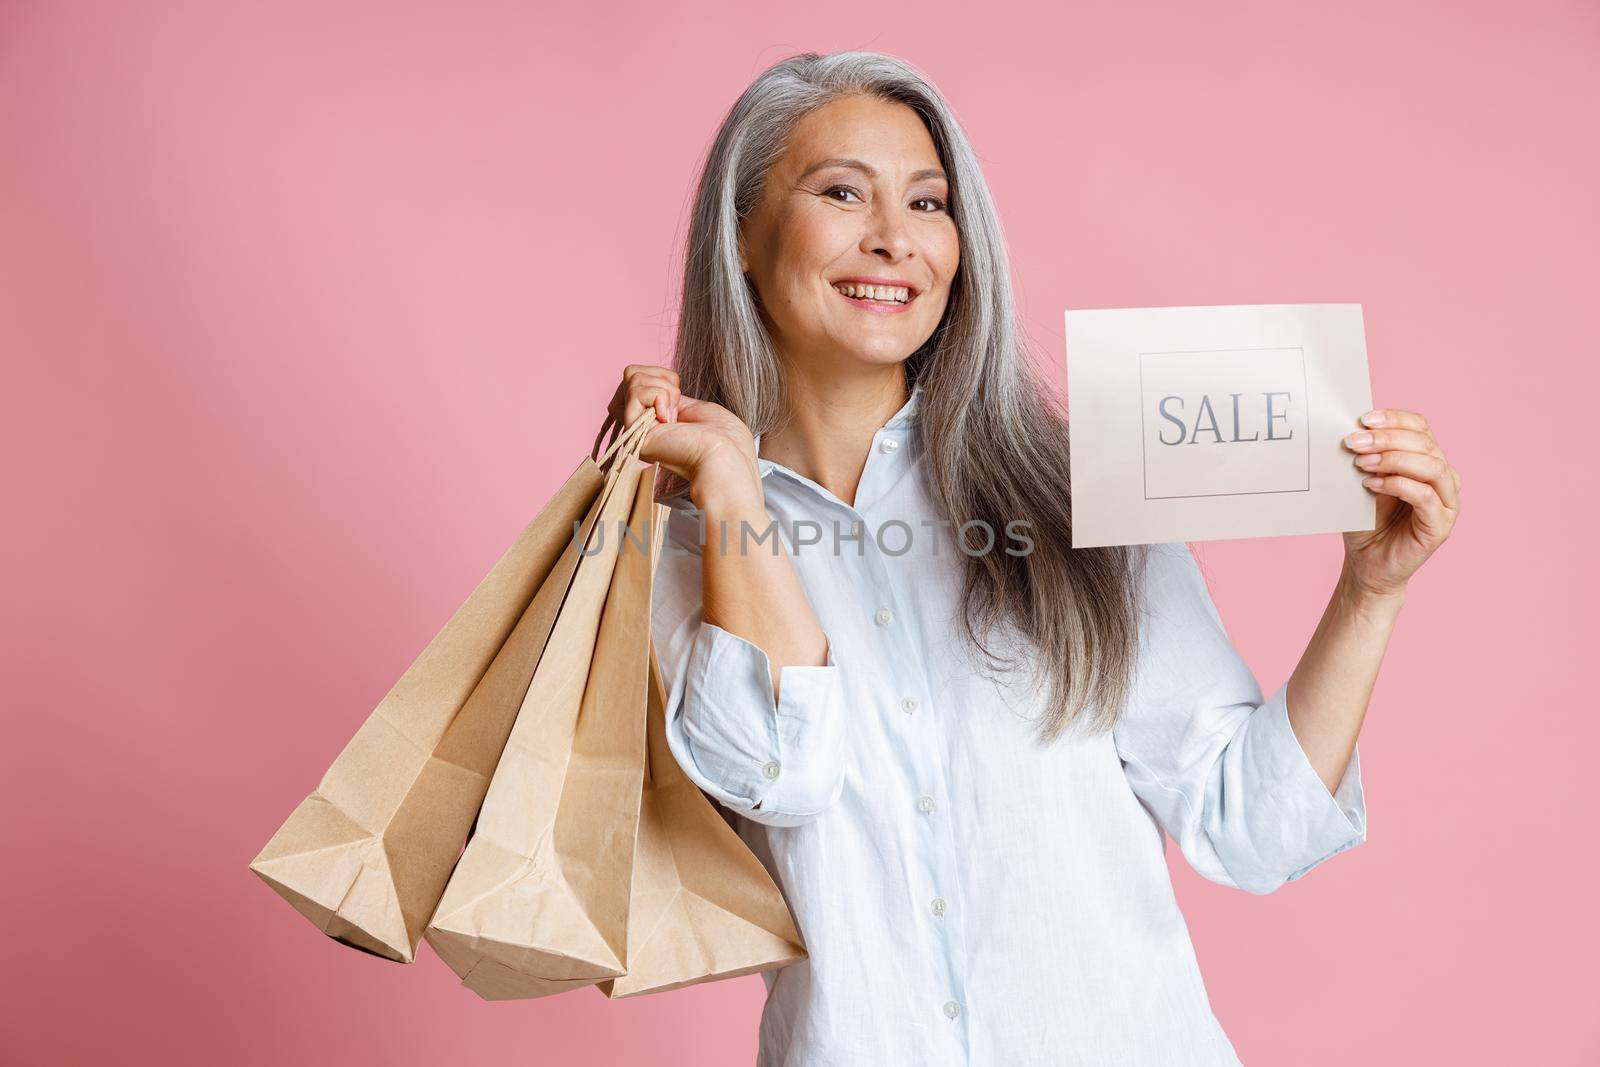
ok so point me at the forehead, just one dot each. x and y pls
(885, 134)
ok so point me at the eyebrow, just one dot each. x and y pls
(856, 164)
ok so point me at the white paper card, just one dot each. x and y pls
(1206, 423)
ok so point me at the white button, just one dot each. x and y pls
(951, 1009)
(938, 906)
(908, 705)
(925, 803)
(883, 616)
(888, 445)
(770, 768)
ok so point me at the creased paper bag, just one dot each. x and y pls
(703, 907)
(367, 855)
(539, 901)
(594, 859)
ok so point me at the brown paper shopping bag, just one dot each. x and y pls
(367, 855)
(703, 906)
(539, 901)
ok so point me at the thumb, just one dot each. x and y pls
(671, 444)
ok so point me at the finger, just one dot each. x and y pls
(1391, 440)
(631, 377)
(654, 391)
(1420, 466)
(1430, 511)
(692, 410)
(1400, 417)
(663, 445)
(1396, 418)
(654, 395)
(649, 376)
(649, 372)
(663, 399)
(666, 404)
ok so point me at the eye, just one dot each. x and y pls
(938, 204)
(840, 188)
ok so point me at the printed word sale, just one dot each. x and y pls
(1171, 409)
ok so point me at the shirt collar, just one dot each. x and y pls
(905, 418)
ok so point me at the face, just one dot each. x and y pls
(859, 193)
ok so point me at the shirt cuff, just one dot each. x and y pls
(1295, 817)
(780, 763)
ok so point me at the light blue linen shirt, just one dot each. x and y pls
(968, 896)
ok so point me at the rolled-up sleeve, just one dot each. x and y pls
(779, 762)
(1218, 766)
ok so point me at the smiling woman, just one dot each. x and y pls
(832, 305)
(850, 169)
(956, 752)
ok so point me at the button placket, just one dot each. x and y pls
(924, 772)
(930, 785)
(879, 473)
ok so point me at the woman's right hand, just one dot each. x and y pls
(704, 443)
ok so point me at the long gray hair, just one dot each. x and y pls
(994, 439)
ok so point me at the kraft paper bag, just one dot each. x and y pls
(704, 907)
(367, 855)
(539, 901)
(1205, 423)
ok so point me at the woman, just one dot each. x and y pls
(959, 762)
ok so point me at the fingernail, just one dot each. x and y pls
(1371, 459)
(1356, 440)
(1373, 418)
(1372, 483)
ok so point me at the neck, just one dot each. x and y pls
(831, 423)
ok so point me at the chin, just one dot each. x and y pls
(880, 358)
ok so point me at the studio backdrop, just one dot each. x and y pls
(307, 309)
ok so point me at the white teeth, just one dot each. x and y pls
(894, 294)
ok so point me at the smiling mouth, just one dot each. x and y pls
(885, 296)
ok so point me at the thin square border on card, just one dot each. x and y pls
(1144, 436)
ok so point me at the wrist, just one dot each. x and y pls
(1360, 601)
(727, 482)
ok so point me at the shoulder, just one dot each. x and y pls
(1175, 603)
(1165, 567)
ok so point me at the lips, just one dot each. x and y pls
(877, 306)
(887, 289)
(876, 294)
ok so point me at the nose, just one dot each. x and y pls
(887, 235)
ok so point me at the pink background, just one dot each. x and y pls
(306, 307)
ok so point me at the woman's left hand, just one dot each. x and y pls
(1419, 497)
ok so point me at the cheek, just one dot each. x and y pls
(812, 241)
(946, 254)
